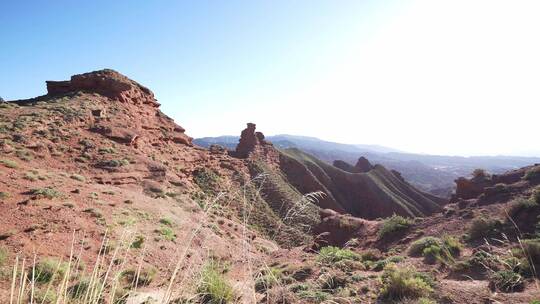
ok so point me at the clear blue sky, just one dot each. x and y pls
(330, 69)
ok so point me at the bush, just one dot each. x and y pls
(533, 173)
(404, 283)
(532, 250)
(3, 256)
(146, 276)
(213, 287)
(418, 246)
(482, 227)
(79, 289)
(535, 197)
(47, 192)
(479, 173)
(434, 249)
(506, 281)
(206, 179)
(78, 177)
(4, 195)
(331, 255)
(48, 270)
(267, 278)
(9, 163)
(394, 224)
(379, 265)
(167, 233)
(166, 222)
(521, 205)
(137, 242)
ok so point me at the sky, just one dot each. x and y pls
(455, 77)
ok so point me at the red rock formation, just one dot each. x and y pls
(252, 142)
(139, 118)
(337, 229)
(363, 165)
(107, 83)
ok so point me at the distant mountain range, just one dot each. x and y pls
(432, 173)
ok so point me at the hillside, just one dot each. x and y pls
(432, 173)
(105, 199)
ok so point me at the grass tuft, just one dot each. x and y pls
(213, 287)
(394, 225)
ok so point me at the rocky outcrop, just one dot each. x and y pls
(106, 82)
(337, 229)
(363, 165)
(343, 165)
(253, 143)
(134, 118)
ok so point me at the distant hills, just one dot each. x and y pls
(432, 173)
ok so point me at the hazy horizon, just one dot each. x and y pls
(431, 77)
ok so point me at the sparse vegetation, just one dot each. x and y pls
(394, 225)
(206, 179)
(483, 227)
(9, 163)
(405, 283)
(506, 281)
(78, 177)
(434, 249)
(3, 256)
(267, 278)
(47, 192)
(330, 255)
(213, 287)
(521, 205)
(137, 242)
(532, 174)
(141, 278)
(48, 270)
(167, 233)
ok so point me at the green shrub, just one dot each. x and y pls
(146, 276)
(532, 250)
(45, 296)
(417, 247)
(521, 205)
(379, 265)
(330, 255)
(434, 249)
(432, 254)
(206, 179)
(48, 270)
(213, 287)
(4, 195)
(313, 295)
(79, 289)
(394, 224)
(9, 163)
(137, 242)
(533, 173)
(78, 177)
(167, 233)
(166, 222)
(404, 283)
(47, 192)
(268, 278)
(3, 256)
(506, 281)
(535, 197)
(482, 227)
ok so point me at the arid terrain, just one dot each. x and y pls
(105, 199)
